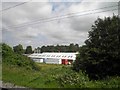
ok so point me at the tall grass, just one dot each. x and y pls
(54, 76)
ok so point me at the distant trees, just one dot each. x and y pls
(28, 50)
(60, 48)
(100, 57)
(18, 49)
(73, 48)
(49, 48)
(37, 50)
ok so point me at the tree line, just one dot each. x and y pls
(60, 48)
(49, 48)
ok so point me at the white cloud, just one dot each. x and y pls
(61, 31)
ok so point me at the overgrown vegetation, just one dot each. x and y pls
(9, 57)
(100, 56)
(47, 75)
(54, 76)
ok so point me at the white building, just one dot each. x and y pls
(54, 58)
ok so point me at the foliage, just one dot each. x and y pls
(73, 79)
(9, 57)
(28, 50)
(81, 59)
(18, 49)
(60, 48)
(100, 56)
(37, 50)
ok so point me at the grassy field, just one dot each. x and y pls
(54, 76)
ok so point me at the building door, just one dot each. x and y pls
(65, 61)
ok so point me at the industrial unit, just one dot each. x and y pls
(54, 58)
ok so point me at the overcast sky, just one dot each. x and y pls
(51, 23)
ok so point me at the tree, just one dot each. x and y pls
(100, 56)
(37, 50)
(43, 49)
(76, 47)
(9, 57)
(73, 48)
(28, 50)
(18, 49)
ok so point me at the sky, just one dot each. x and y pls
(51, 23)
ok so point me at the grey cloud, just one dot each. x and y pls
(82, 24)
(28, 36)
(62, 31)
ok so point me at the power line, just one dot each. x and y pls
(69, 14)
(13, 6)
(59, 17)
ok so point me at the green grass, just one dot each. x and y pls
(0, 71)
(53, 76)
(23, 77)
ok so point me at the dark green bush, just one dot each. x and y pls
(11, 58)
(100, 56)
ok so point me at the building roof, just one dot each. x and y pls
(54, 55)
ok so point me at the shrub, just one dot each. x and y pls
(11, 58)
(73, 79)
